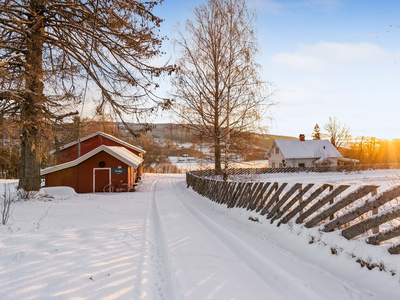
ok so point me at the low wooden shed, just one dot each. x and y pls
(69, 152)
(95, 169)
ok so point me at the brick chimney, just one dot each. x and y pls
(302, 137)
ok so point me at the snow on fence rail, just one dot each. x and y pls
(321, 169)
(308, 205)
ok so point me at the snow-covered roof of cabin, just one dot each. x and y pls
(120, 153)
(105, 135)
(296, 149)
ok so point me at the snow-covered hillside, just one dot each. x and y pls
(166, 242)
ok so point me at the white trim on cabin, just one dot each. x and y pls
(105, 135)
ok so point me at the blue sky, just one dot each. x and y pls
(325, 58)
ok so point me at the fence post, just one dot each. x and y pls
(332, 216)
(375, 212)
(301, 198)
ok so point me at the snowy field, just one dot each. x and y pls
(199, 164)
(383, 178)
(166, 242)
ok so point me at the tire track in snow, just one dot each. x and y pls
(259, 263)
(158, 253)
(141, 287)
(153, 280)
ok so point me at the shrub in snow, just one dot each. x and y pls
(5, 204)
(26, 195)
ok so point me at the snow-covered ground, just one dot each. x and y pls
(201, 164)
(383, 178)
(166, 242)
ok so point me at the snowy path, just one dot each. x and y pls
(214, 258)
(165, 242)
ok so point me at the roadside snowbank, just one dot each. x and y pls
(59, 192)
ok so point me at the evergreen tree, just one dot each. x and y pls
(316, 135)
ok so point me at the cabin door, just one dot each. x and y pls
(101, 177)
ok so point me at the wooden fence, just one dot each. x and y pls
(329, 207)
(321, 169)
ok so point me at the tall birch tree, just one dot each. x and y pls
(218, 86)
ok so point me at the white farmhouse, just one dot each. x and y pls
(302, 153)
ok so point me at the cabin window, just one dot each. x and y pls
(276, 150)
(273, 165)
(302, 165)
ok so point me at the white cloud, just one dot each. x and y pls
(324, 56)
(322, 5)
(345, 52)
(267, 5)
(300, 62)
(272, 6)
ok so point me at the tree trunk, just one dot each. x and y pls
(217, 149)
(31, 108)
(30, 163)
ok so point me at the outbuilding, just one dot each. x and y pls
(94, 170)
(94, 162)
(74, 150)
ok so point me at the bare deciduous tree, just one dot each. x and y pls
(218, 84)
(338, 134)
(50, 48)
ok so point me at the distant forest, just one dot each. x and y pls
(370, 150)
(162, 140)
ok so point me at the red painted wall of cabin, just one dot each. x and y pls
(80, 177)
(70, 153)
(66, 177)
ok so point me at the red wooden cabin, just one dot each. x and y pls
(97, 166)
(69, 151)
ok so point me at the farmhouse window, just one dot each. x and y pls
(273, 165)
(302, 165)
(276, 150)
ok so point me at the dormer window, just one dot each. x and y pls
(276, 150)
